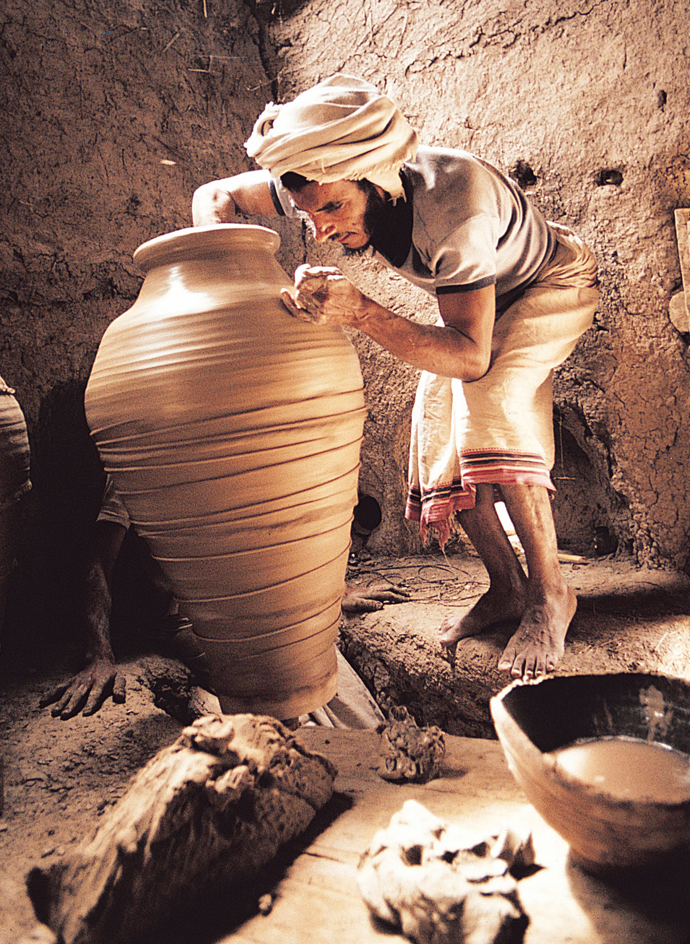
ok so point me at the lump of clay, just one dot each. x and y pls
(437, 885)
(212, 808)
(409, 752)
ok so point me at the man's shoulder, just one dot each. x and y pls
(440, 169)
(453, 179)
(430, 159)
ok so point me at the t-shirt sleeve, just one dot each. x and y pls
(466, 259)
(281, 199)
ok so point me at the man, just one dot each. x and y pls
(514, 294)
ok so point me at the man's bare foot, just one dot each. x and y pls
(490, 610)
(539, 643)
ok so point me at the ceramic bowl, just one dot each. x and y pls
(605, 832)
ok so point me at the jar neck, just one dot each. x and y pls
(204, 259)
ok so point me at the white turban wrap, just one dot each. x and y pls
(341, 129)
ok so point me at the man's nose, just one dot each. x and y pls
(323, 230)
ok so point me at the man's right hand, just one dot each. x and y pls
(87, 691)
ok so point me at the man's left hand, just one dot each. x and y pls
(87, 691)
(322, 295)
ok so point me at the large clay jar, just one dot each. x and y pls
(232, 433)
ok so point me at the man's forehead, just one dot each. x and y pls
(316, 196)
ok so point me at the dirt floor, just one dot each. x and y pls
(59, 776)
(629, 619)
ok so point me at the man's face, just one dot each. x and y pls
(343, 211)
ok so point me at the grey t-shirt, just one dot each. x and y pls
(462, 226)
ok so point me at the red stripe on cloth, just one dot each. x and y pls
(435, 508)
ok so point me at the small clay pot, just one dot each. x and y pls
(232, 433)
(605, 833)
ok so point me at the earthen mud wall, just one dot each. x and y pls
(114, 113)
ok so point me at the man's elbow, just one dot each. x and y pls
(475, 369)
(211, 204)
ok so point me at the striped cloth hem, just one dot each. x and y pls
(436, 507)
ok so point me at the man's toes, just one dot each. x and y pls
(506, 663)
(448, 636)
(522, 669)
(448, 650)
(516, 664)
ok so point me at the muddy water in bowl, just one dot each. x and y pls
(604, 759)
(628, 768)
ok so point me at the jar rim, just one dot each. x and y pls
(197, 241)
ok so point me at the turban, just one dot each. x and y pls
(341, 129)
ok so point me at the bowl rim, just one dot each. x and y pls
(515, 741)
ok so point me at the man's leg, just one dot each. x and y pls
(541, 601)
(506, 597)
(550, 604)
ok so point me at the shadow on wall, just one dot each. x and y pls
(590, 517)
(268, 11)
(42, 621)
(58, 517)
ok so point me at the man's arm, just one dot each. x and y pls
(99, 678)
(217, 201)
(460, 347)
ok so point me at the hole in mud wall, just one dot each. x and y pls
(583, 508)
(49, 581)
(57, 518)
(523, 174)
(366, 518)
(610, 176)
(367, 513)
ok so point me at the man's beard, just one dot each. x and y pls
(359, 251)
(373, 219)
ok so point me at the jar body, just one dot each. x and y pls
(232, 433)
